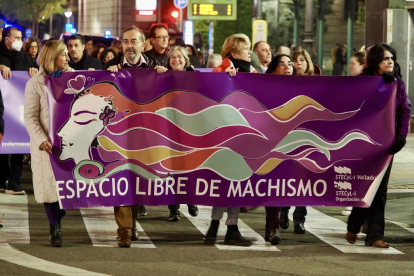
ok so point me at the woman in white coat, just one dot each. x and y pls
(53, 59)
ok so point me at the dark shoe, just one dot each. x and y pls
(299, 229)
(233, 237)
(364, 228)
(211, 235)
(284, 221)
(124, 238)
(14, 189)
(193, 210)
(273, 236)
(55, 235)
(378, 243)
(62, 213)
(174, 215)
(243, 210)
(1, 224)
(134, 234)
(351, 237)
(3, 188)
(142, 210)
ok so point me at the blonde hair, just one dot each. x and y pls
(234, 44)
(310, 70)
(48, 55)
(183, 51)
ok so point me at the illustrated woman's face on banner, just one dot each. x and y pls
(82, 127)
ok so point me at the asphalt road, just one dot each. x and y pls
(178, 249)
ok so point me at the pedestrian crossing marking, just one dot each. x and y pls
(101, 226)
(11, 255)
(406, 226)
(15, 216)
(202, 223)
(332, 231)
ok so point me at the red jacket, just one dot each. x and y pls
(226, 64)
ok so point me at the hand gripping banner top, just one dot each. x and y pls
(137, 137)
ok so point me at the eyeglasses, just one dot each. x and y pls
(290, 64)
(132, 42)
(162, 37)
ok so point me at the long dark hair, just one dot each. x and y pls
(28, 44)
(275, 63)
(375, 56)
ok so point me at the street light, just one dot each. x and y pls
(68, 14)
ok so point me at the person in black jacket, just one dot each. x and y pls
(13, 58)
(159, 39)
(130, 57)
(79, 58)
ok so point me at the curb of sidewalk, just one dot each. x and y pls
(405, 186)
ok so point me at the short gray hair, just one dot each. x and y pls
(213, 58)
(182, 50)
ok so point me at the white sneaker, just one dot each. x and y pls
(11, 192)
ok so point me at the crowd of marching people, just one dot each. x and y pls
(158, 53)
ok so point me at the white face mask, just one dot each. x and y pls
(17, 45)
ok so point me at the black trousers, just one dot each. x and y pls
(298, 215)
(12, 172)
(375, 214)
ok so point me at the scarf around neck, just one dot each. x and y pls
(243, 65)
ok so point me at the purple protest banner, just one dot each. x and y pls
(136, 137)
(16, 139)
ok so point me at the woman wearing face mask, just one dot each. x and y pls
(53, 60)
(381, 61)
(177, 60)
(32, 48)
(281, 64)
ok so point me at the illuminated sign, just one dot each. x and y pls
(212, 10)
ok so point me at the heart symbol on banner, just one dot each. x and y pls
(77, 83)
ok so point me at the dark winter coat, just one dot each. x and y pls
(86, 62)
(119, 59)
(16, 61)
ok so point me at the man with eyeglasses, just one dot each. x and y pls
(159, 39)
(130, 57)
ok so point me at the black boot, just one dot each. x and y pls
(55, 235)
(273, 236)
(233, 237)
(211, 235)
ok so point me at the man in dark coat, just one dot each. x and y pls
(130, 57)
(159, 39)
(79, 58)
(12, 58)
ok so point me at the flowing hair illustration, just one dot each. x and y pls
(181, 132)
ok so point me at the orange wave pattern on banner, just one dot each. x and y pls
(293, 107)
